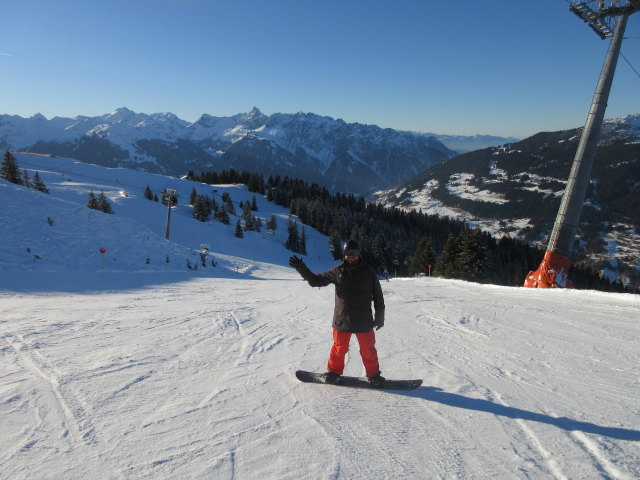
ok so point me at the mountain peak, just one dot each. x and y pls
(121, 113)
(627, 124)
(252, 120)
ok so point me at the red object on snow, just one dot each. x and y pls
(552, 273)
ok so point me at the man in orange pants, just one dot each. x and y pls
(356, 287)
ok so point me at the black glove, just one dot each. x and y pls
(295, 262)
(378, 321)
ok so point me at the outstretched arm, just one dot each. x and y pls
(313, 279)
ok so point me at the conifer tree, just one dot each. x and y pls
(93, 201)
(340, 225)
(254, 204)
(26, 180)
(247, 217)
(447, 264)
(272, 223)
(422, 258)
(9, 170)
(472, 256)
(335, 246)
(103, 204)
(148, 194)
(201, 208)
(377, 249)
(302, 246)
(239, 233)
(38, 184)
(221, 215)
(293, 240)
(228, 204)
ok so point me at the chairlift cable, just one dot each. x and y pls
(630, 65)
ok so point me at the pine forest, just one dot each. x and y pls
(405, 243)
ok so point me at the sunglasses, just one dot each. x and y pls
(351, 253)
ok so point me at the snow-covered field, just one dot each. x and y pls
(117, 368)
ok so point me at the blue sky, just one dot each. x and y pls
(508, 68)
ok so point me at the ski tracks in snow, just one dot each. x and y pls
(226, 375)
(388, 440)
(509, 372)
(76, 419)
(61, 423)
(196, 380)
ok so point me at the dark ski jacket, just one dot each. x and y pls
(356, 287)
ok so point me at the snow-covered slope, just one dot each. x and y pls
(52, 232)
(134, 370)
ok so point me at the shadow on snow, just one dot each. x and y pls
(51, 283)
(434, 394)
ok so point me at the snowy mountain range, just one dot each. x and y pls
(121, 362)
(515, 190)
(344, 157)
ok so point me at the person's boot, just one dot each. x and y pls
(376, 381)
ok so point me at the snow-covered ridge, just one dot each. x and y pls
(316, 148)
(628, 125)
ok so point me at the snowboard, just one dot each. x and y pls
(358, 382)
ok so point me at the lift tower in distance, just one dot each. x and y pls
(608, 19)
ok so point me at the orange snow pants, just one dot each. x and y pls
(368, 352)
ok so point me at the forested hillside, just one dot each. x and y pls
(390, 236)
(516, 190)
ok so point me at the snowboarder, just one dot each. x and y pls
(356, 287)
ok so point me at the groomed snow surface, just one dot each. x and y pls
(115, 368)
